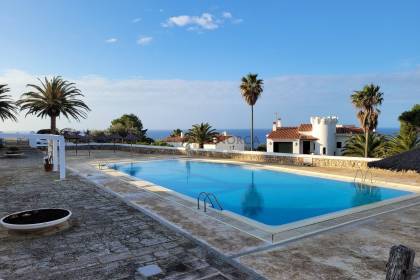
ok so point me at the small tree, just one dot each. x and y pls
(356, 146)
(128, 124)
(176, 132)
(201, 133)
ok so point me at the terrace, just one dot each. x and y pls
(120, 224)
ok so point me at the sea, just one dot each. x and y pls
(259, 133)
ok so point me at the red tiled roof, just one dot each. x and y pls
(175, 139)
(348, 130)
(305, 127)
(220, 138)
(289, 133)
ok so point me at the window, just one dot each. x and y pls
(339, 145)
(324, 151)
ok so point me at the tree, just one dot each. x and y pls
(8, 108)
(201, 133)
(356, 146)
(251, 89)
(411, 117)
(53, 98)
(405, 141)
(176, 132)
(128, 124)
(367, 101)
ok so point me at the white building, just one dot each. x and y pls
(223, 142)
(323, 136)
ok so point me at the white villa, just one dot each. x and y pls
(323, 136)
(223, 142)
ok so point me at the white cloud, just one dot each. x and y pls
(166, 104)
(226, 15)
(111, 40)
(136, 20)
(205, 21)
(144, 40)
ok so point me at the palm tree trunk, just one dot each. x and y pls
(366, 141)
(53, 127)
(252, 127)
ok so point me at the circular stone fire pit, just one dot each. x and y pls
(36, 219)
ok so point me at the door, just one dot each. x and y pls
(306, 147)
(283, 147)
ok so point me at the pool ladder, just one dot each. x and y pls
(210, 197)
(364, 175)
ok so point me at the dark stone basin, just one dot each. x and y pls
(35, 219)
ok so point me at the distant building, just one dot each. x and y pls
(222, 142)
(323, 136)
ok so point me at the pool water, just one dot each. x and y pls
(269, 197)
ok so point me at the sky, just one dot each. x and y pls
(177, 63)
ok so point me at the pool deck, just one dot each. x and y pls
(356, 250)
(104, 239)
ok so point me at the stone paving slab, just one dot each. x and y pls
(105, 238)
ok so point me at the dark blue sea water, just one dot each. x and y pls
(259, 134)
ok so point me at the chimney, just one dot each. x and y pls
(279, 122)
(182, 134)
(224, 133)
(274, 126)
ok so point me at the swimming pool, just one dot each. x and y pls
(269, 197)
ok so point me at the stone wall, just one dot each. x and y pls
(275, 158)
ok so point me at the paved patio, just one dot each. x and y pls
(105, 239)
(357, 250)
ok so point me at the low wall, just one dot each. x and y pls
(276, 158)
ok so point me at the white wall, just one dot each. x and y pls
(231, 144)
(324, 128)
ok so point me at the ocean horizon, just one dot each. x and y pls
(259, 133)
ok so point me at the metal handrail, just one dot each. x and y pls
(208, 196)
(363, 175)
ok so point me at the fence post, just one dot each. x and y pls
(400, 263)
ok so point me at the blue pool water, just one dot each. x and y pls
(269, 197)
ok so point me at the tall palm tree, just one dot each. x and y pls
(201, 133)
(251, 89)
(53, 98)
(356, 146)
(8, 109)
(367, 101)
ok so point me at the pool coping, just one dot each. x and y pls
(270, 230)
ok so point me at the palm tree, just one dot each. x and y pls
(405, 141)
(7, 106)
(251, 89)
(367, 101)
(176, 132)
(201, 133)
(356, 146)
(53, 98)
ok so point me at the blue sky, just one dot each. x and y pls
(156, 49)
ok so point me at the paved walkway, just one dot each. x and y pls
(106, 239)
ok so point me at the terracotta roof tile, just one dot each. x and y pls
(305, 127)
(289, 133)
(348, 130)
(175, 139)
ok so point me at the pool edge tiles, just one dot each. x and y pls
(227, 216)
